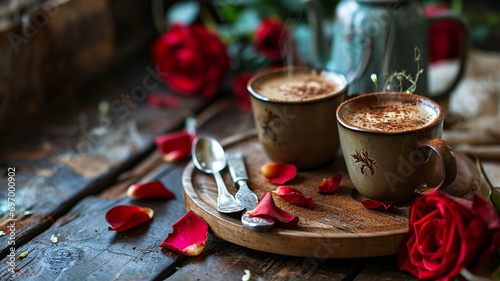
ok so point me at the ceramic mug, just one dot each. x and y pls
(394, 166)
(299, 132)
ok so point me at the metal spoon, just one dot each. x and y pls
(209, 157)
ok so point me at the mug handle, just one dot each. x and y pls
(448, 162)
(464, 26)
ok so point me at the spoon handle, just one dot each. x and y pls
(225, 201)
(221, 186)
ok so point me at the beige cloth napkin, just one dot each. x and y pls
(477, 135)
(477, 102)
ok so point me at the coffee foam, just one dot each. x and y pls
(296, 87)
(390, 116)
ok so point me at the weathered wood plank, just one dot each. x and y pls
(224, 261)
(96, 253)
(81, 147)
(383, 269)
(87, 250)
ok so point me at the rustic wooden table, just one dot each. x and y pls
(74, 165)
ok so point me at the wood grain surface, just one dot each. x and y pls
(78, 149)
(337, 225)
(87, 250)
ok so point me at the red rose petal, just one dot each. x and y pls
(157, 100)
(189, 235)
(267, 208)
(175, 146)
(294, 196)
(124, 217)
(330, 185)
(278, 173)
(375, 205)
(154, 189)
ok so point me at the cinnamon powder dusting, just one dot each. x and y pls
(392, 116)
(307, 89)
(297, 87)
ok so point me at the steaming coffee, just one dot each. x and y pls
(390, 116)
(297, 87)
(387, 140)
(294, 110)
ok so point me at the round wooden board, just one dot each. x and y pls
(337, 227)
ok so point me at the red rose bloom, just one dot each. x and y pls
(191, 59)
(240, 88)
(447, 234)
(271, 38)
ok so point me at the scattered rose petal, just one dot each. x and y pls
(239, 86)
(154, 189)
(53, 238)
(189, 235)
(175, 146)
(278, 173)
(267, 208)
(157, 100)
(124, 217)
(375, 205)
(294, 196)
(330, 185)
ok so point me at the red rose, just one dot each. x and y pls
(447, 234)
(271, 39)
(191, 59)
(240, 88)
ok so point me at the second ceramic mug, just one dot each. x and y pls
(394, 166)
(299, 132)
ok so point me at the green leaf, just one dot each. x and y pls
(230, 10)
(243, 27)
(250, 60)
(495, 199)
(496, 274)
(184, 12)
(494, 195)
(229, 13)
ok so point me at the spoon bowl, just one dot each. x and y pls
(209, 157)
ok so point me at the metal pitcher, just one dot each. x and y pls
(380, 37)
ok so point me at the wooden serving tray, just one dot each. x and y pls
(337, 227)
